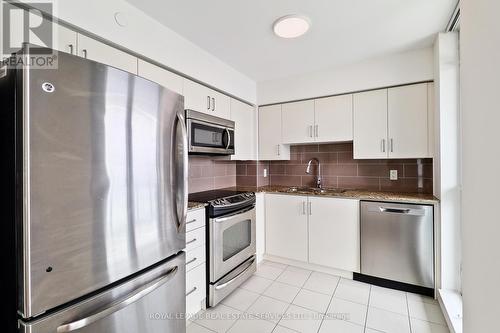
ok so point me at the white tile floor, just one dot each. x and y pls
(283, 299)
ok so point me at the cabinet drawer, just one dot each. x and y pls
(195, 257)
(195, 290)
(195, 238)
(195, 219)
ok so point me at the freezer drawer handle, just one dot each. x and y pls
(394, 210)
(129, 299)
(224, 285)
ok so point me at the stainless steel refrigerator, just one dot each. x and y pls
(94, 178)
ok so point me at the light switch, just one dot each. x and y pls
(393, 174)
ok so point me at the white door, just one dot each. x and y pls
(161, 76)
(197, 97)
(245, 139)
(334, 233)
(333, 118)
(66, 39)
(221, 106)
(94, 50)
(286, 226)
(407, 112)
(370, 124)
(298, 122)
(270, 142)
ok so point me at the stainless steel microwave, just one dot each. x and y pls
(208, 134)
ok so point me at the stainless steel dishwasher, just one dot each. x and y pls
(397, 246)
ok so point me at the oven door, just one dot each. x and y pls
(209, 138)
(232, 241)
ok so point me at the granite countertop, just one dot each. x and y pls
(351, 194)
(195, 205)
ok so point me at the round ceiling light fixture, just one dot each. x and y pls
(291, 26)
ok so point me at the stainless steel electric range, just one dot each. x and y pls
(230, 240)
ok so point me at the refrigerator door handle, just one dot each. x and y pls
(129, 299)
(181, 181)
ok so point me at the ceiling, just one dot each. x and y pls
(239, 32)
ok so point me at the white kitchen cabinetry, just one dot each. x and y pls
(203, 99)
(333, 119)
(407, 119)
(318, 230)
(286, 226)
(334, 233)
(195, 261)
(370, 124)
(161, 76)
(392, 123)
(244, 117)
(66, 40)
(430, 118)
(270, 138)
(94, 50)
(298, 122)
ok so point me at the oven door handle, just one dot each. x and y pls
(224, 285)
(229, 217)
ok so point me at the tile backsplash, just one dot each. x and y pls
(207, 173)
(339, 170)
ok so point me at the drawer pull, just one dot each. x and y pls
(191, 291)
(192, 221)
(191, 261)
(191, 241)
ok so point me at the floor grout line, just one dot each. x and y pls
(368, 308)
(329, 303)
(408, 309)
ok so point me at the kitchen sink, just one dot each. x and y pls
(295, 189)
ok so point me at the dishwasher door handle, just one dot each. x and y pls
(394, 210)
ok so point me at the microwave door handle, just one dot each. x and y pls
(129, 299)
(181, 192)
(228, 138)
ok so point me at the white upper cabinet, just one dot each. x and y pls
(408, 125)
(298, 122)
(430, 118)
(270, 140)
(94, 50)
(245, 141)
(286, 226)
(161, 76)
(203, 99)
(334, 233)
(370, 124)
(333, 118)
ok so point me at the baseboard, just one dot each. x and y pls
(308, 266)
(394, 285)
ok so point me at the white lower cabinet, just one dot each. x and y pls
(334, 233)
(318, 230)
(195, 263)
(286, 226)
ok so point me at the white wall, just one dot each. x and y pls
(480, 94)
(153, 40)
(399, 68)
(447, 175)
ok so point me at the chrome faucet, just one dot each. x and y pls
(308, 171)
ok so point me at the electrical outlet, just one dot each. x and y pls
(265, 173)
(393, 174)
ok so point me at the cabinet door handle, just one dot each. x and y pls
(191, 261)
(392, 146)
(70, 48)
(316, 130)
(191, 291)
(191, 241)
(383, 145)
(310, 131)
(310, 208)
(84, 52)
(208, 102)
(303, 208)
(213, 104)
(278, 150)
